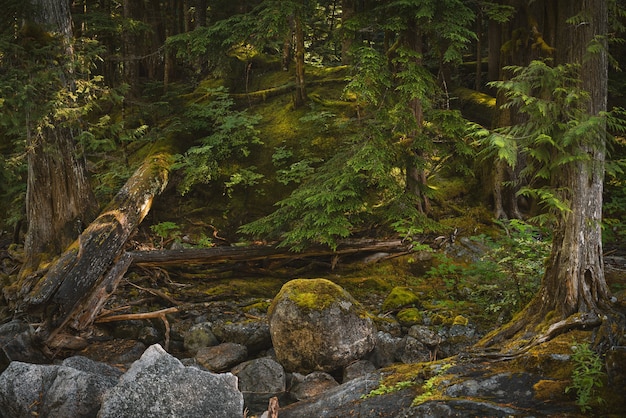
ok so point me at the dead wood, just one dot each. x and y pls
(73, 279)
(215, 255)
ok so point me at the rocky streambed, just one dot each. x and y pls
(353, 345)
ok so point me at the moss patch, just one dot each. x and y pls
(399, 297)
(409, 316)
(313, 294)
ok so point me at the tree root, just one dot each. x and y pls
(576, 321)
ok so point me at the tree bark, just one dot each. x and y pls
(574, 279)
(74, 276)
(59, 197)
(574, 292)
(300, 97)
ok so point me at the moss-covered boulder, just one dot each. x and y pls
(398, 298)
(317, 325)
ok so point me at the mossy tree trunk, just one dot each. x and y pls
(574, 291)
(71, 279)
(59, 197)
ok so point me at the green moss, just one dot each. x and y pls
(460, 320)
(314, 294)
(399, 297)
(409, 316)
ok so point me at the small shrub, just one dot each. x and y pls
(586, 376)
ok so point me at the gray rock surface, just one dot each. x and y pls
(259, 380)
(73, 389)
(317, 325)
(221, 357)
(311, 385)
(255, 335)
(158, 385)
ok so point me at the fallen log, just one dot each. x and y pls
(213, 255)
(75, 276)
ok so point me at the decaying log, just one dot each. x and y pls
(212, 255)
(73, 278)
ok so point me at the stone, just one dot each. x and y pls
(159, 385)
(221, 357)
(199, 335)
(414, 351)
(17, 343)
(317, 325)
(398, 298)
(357, 369)
(311, 385)
(72, 389)
(259, 380)
(255, 335)
(346, 400)
(386, 350)
(425, 335)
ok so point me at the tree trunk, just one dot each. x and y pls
(59, 197)
(574, 292)
(300, 97)
(347, 12)
(574, 279)
(74, 276)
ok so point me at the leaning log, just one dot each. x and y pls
(78, 270)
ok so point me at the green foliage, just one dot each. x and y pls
(166, 231)
(227, 135)
(587, 376)
(557, 132)
(506, 276)
(430, 385)
(383, 389)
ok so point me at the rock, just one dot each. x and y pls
(386, 349)
(149, 335)
(158, 385)
(409, 316)
(255, 335)
(200, 335)
(259, 380)
(460, 408)
(311, 385)
(398, 298)
(346, 401)
(221, 357)
(317, 325)
(425, 335)
(17, 343)
(73, 389)
(359, 368)
(414, 351)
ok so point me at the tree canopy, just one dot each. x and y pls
(381, 104)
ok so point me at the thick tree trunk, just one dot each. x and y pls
(59, 198)
(574, 280)
(74, 276)
(574, 293)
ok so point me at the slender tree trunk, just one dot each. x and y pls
(347, 12)
(59, 198)
(300, 97)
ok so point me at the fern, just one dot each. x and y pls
(557, 130)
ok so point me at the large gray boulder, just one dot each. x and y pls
(72, 389)
(159, 385)
(317, 325)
